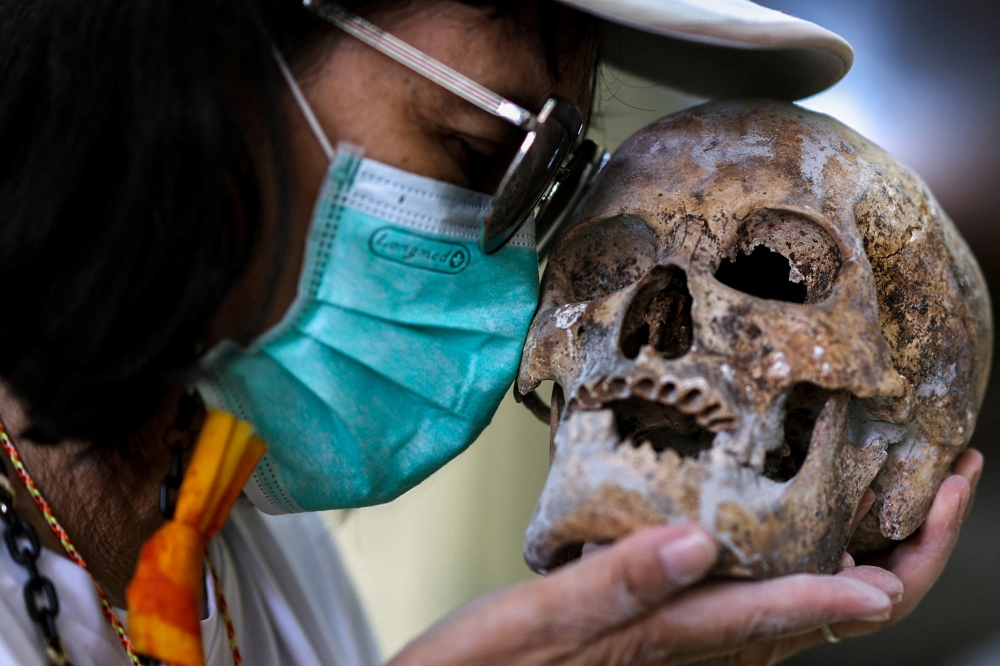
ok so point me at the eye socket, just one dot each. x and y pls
(763, 273)
(600, 259)
(782, 256)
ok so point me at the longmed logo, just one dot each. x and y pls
(419, 251)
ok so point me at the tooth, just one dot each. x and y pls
(641, 454)
(692, 401)
(720, 423)
(668, 393)
(591, 429)
(649, 455)
(617, 387)
(670, 458)
(711, 409)
(712, 416)
(645, 388)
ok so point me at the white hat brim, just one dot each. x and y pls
(719, 48)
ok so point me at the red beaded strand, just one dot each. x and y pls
(74, 555)
(224, 610)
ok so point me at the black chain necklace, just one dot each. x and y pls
(39, 593)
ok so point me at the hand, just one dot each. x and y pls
(918, 562)
(630, 604)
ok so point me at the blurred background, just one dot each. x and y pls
(925, 86)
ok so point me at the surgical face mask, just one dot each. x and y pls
(400, 345)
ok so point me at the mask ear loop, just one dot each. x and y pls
(303, 104)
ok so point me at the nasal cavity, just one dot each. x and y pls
(659, 315)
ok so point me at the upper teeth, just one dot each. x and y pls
(692, 397)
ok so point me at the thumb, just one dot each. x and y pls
(636, 574)
(547, 620)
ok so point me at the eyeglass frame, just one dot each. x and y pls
(531, 176)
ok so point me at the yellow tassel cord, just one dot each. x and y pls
(164, 597)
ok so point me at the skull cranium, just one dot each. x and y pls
(755, 316)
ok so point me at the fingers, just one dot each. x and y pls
(636, 574)
(919, 560)
(553, 619)
(773, 652)
(718, 620)
(628, 603)
(884, 580)
(846, 562)
(915, 565)
(864, 506)
(969, 464)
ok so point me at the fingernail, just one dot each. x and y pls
(877, 617)
(687, 559)
(874, 601)
(890, 585)
(847, 562)
(893, 587)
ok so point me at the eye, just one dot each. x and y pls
(482, 150)
(484, 163)
(601, 258)
(782, 256)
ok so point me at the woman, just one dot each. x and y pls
(170, 195)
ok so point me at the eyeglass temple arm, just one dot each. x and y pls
(425, 65)
(303, 104)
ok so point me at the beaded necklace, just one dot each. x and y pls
(74, 555)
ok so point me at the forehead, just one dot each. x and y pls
(525, 51)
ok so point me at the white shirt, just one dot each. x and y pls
(289, 598)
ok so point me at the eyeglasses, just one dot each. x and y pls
(537, 181)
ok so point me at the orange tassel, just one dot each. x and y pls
(164, 597)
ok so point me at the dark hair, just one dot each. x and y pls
(129, 200)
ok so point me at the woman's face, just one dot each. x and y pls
(402, 119)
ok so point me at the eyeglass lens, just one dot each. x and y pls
(532, 172)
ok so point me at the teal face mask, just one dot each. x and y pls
(401, 343)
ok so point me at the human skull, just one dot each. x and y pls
(755, 315)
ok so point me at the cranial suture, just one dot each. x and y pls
(756, 315)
